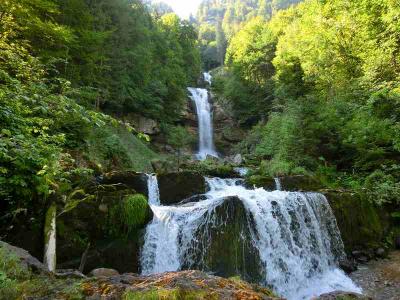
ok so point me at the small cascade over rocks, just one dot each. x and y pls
(207, 77)
(278, 184)
(285, 240)
(153, 190)
(204, 115)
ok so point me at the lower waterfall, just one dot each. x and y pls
(288, 241)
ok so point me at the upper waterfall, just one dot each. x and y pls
(207, 77)
(204, 116)
(290, 239)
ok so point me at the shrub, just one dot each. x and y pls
(130, 214)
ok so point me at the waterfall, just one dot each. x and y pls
(241, 171)
(207, 77)
(204, 116)
(295, 235)
(152, 187)
(278, 184)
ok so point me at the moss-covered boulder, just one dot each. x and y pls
(175, 286)
(288, 183)
(110, 226)
(174, 187)
(363, 226)
(226, 248)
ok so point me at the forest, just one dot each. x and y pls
(249, 151)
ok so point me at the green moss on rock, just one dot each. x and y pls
(362, 225)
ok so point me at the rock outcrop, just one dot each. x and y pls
(174, 187)
(26, 260)
(174, 285)
(225, 248)
(363, 226)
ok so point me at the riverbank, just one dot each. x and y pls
(380, 279)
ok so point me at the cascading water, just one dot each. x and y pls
(204, 115)
(152, 187)
(278, 184)
(295, 236)
(207, 77)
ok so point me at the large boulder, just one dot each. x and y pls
(177, 186)
(127, 179)
(27, 261)
(226, 248)
(363, 226)
(103, 272)
(174, 285)
(288, 183)
(96, 224)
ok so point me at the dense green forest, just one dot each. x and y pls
(70, 70)
(219, 20)
(320, 82)
(298, 117)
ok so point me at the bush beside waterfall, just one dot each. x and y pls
(128, 215)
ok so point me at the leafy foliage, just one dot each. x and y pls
(220, 20)
(324, 78)
(129, 215)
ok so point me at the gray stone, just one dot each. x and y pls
(28, 262)
(103, 272)
(238, 160)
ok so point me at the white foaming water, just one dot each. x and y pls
(295, 234)
(278, 184)
(207, 77)
(152, 187)
(203, 108)
(242, 171)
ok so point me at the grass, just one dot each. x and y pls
(116, 148)
(17, 282)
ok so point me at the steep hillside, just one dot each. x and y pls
(219, 20)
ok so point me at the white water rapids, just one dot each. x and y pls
(295, 234)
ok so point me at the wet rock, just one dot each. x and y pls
(339, 295)
(174, 187)
(129, 179)
(226, 248)
(103, 272)
(348, 265)
(362, 225)
(266, 182)
(27, 261)
(195, 198)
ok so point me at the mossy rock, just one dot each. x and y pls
(293, 183)
(100, 223)
(174, 187)
(226, 248)
(362, 225)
